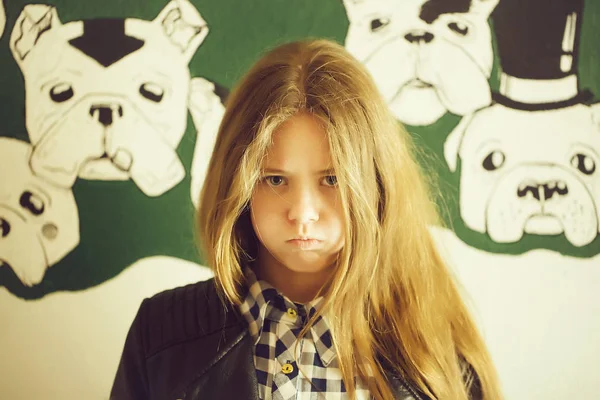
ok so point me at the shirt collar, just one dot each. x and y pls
(263, 301)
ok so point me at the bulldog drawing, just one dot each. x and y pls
(39, 222)
(530, 162)
(107, 99)
(428, 57)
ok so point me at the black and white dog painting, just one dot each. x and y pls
(530, 163)
(39, 222)
(428, 57)
(108, 99)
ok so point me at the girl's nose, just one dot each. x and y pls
(304, 205)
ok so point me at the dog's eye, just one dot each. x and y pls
(459, 28)
(61, 92)
(379, 23)
(4, 229)
(32, 203)
(583, 163)
(494, 160)
(152, 92)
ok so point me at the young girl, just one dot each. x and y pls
(314, 218)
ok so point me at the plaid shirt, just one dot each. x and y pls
(275, 322)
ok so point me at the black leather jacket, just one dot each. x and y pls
(186, 344)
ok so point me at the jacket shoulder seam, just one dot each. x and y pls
(166, 346)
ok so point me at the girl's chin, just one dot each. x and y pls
(307, 266)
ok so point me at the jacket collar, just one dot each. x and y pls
(231, 373)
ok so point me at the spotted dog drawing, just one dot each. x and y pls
(530, 163)
(107, 99)
(428, 57)
(39, 222)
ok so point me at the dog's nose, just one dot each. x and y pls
(543, 191)
(417, 37)
(106, 114)
(4, 228)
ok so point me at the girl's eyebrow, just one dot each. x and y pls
(329, 171)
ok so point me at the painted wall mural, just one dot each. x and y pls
(106, 99)
(520, 175)
(34, 214)
(428, 57)
(78, 80)
(110, 113)
(528, 161)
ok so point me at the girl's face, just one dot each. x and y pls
(295, 208)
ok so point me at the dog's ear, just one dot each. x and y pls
(34, 21)
(2, 17)
(353, 7)
(483, 7)
(595, 109)
(454, 141)
(183, 25)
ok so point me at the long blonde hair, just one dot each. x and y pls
(395, 300)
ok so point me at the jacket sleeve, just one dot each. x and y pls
(131, 380)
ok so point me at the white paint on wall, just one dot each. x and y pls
(540, 316)
(67, 345)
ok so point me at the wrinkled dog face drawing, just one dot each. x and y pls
(39, 222)
(529, 172)
(107, 98)
(427, 56)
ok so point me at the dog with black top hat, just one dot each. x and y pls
(530, 163)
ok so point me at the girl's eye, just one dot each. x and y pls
(331, 180)
(274, 180)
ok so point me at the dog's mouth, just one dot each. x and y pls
(418, 84)
(548, 223)
(122, 160)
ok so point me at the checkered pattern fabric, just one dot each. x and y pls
(275, 322)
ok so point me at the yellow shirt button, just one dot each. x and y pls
(287, 369)
(292, 312)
